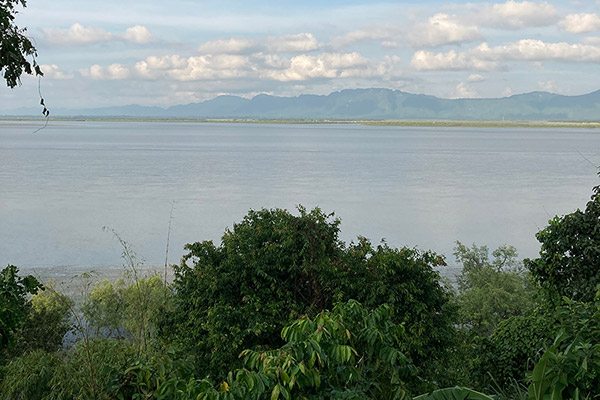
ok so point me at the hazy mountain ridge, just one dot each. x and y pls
(356, 104)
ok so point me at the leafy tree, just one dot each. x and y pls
(14, 304)
(48, 320)
(490, 291)
(120, 309)
(570, 368)
(270, 269)
(274, 267)
(15, 46)
(512, 350)
(569, 261)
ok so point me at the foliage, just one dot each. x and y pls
(13, 303)
(490, 291)
(455, 393)
(28, 377)
(15, 47)
(48, 320)
(512, 349)
(274, 267)
(87, 370)
(349, 352)
(270, 269)
(120, 309)
(570, 368)
(570, 254)
(160, 377)
(406, 280)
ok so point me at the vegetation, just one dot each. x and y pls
(15, 47)
(283, 309)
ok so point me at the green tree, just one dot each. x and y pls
(48, 320)
(490, 291)
(15, 46)
(14, 304)
(570, 367)
(274, 267)
(569, 261)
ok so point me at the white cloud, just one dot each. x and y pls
(443, 29)
(255, 67)
(326, 65)
(581, 23)
(112, 72)
(518, 14)
(484, 57)
(463, 91)
(548, 86)
(227, 46)
(52, 71)
(138, 34)
(293, 43)
(388, 34)
(476, 78)
(78, 34)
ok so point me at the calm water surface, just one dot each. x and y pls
(425, 187)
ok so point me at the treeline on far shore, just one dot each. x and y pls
(281, 308)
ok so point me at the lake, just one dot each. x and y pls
(414, 186)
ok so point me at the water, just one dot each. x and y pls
(425, 187)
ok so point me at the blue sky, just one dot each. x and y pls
(99, 53)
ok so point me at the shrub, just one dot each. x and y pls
(274, 267)
(570, 254)
(28, 377)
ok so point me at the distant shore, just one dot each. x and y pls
(407, 123)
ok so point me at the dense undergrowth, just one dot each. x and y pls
(283, 309)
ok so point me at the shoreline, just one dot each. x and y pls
(399, 123)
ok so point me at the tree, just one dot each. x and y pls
(569, 261)
(275, 267)
(15, 47)
(490, 291)
(14, 304)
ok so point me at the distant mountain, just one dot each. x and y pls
(361, 104)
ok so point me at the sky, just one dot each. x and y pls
(103, 53)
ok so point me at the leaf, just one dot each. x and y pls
(455, 393)
(275, 392)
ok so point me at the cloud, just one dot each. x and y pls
(580, 23)
(388, 34)
(52, 71)
(227, 46)
(548, 86)
(462, 91)
(78, 34)
(516, 15)
(300, 42)
(327, 65)
(112, 72)
(443, 29)
(484, 57)
(137, 34)
(475, 78)
(256, 68)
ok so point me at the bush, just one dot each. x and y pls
(14, 304)
(28, 377)
(48, 320)
(512, 350)
(570, 254)
(570, 368)
(274, 267)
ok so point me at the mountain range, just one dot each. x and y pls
(360, 104)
